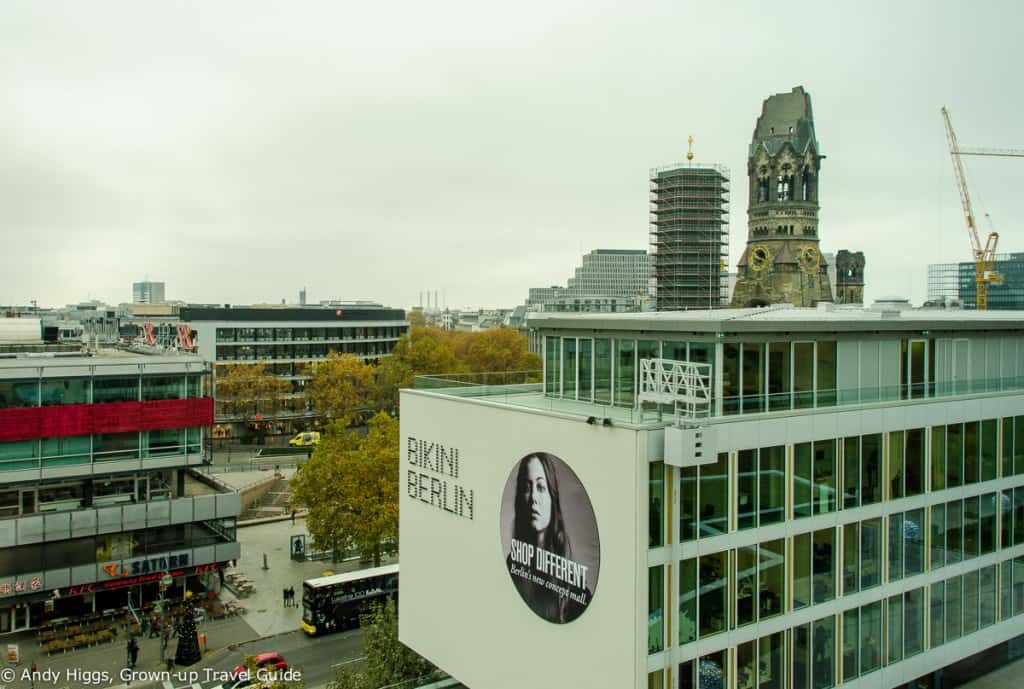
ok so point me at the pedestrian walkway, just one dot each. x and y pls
(112, 658)
(267, 613)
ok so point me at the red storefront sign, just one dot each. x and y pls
(141, 579)
(59, 421)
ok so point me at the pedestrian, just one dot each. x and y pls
(133, 652)
(165, 640)
(293, 517)
(291, 593)
(284, 597)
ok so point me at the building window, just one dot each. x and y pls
(814, 478)
(64, 391)
(894, 636)
(938, 611)
(552, 376)
(870, 553)
(803, 375)
(586, 369)
(115, 389)
(954, 455)
(761, 487)
(954, 611)
(568, 368)
(625, 372)
(656, 497)
(655, 609)
(115, 446)
(66, 451)
(938, 457)
(163, 387)
(714, 497)
(713, 593)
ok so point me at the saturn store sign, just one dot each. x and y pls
(143, 565)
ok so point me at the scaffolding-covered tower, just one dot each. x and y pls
(690, 235)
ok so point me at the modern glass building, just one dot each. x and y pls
(781, 498)
(148, 293)
(957, 281)
(287, 340)
(95, 499)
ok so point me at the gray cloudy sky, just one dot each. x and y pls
(240, 150)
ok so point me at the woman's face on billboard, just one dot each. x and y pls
(536, 495)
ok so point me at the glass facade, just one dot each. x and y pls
(100, 447)
(744, 584)
(871, 520)
(771, 375)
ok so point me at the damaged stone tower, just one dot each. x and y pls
(782, 262)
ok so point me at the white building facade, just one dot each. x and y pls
(845, 506)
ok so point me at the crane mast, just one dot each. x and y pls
(984, 256)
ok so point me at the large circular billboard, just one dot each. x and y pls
(549, 537)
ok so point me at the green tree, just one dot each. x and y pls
(389, 662)
(249, 391)
(342, 387)
(350, 487)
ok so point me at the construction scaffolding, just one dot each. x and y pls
(689, 219)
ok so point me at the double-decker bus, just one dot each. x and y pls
(334, 603)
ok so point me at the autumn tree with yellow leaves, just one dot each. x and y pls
(343, 388)
(350, 487)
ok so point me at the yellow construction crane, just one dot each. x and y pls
(984, 256)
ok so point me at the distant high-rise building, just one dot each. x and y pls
(606, 280)
(782, 262)
(957, 281)
(148, 293)
(690, 235)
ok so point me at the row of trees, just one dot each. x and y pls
(345, 386)
(350, 486)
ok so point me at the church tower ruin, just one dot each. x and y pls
(782, 262)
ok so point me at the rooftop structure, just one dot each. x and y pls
(771, 497)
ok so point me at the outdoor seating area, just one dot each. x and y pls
(239, 584)
(72, 633)
(69, 634)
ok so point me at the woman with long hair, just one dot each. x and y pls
(538, 522)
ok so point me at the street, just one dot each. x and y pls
(315, 659)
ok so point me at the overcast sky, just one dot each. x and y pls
(373, 150)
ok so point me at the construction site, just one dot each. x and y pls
(689, 218)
